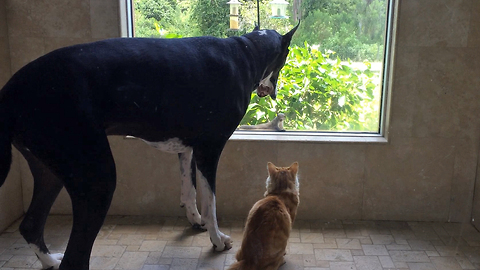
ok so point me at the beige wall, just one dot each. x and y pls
(426, 171)
(11, 204)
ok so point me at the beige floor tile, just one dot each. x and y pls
(18, 249)
(342, 266)
(153, 246)
(156, 267)
(314, 238)
(132, 260)
(465, 263)
(309, 260)
(398, 247)
(431, 253)
(161, 243)
(132, 248)
(382, 239)
(375, 250)
(401, 265)
(211, 260)
(21, 261)
(420, 245)
(421, 266)
(449, 251)
(367, 263)
(334, 233)
(408, 256)
(184, 264)
(446, 263)
(182, 252)
(328, 243)
(99, 263)
(386, 261)
(333, 255)
(108, 251)
(300, 248)
(346, 243)
(130, 239)
(357, 252)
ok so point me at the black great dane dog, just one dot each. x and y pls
(185, 96)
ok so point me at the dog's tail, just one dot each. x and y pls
(6, 134)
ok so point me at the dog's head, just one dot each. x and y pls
(268, 83)
(282, 179)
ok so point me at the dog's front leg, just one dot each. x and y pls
(188, 198)
(220, 240)
(207, 160)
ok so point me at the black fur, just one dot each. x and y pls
(59, 109)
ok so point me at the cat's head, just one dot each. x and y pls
(282, 179)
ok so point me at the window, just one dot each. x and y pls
(335, 79)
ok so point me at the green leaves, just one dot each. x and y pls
(354, 29)
(318, 92)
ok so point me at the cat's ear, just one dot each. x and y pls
(271, 168)
(294, 167)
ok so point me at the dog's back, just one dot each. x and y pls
(142, 87)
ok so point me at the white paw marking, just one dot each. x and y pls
(225, 239)
(47, 260)
(209, 217)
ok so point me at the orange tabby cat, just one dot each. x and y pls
(270, 221)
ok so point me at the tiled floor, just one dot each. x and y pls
(156, 243)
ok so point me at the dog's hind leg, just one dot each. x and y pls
(188, 199)
(45, 191)
(77, 151)
(207, 157)
(90, 185)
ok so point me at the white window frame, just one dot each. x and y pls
(127, 30)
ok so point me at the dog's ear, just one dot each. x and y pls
(288, 36)
(256, 27)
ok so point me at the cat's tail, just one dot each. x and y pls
(241, 265)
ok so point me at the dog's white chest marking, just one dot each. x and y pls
(262, 32)
(267, 81)
(173, 145)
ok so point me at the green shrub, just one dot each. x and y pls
(318, 92)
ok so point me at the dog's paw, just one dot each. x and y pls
(225, 243)
(48, 260)
(194, 219)
(51, 261)
(199, 227)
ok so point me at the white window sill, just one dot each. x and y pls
(297, 136)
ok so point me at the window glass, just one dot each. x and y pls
(333, 77)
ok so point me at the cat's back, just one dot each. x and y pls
(269, 213)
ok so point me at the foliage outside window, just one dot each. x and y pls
(332, 78)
